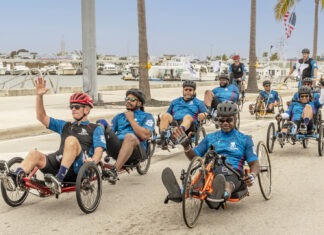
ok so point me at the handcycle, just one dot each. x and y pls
(241, 98)
(87, 186)
(294, 136)
(197, 182)
(196, 135)
(260, 109)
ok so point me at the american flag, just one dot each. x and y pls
(290, 22)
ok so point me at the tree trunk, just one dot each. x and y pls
(315, 30)
(252, 82)
(144, 84)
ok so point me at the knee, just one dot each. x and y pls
(188, 118)
(166, 116)
(130, 139)
(36, 155)
(71, 141)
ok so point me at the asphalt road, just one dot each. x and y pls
(135, 204)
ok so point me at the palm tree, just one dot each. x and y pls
(252, 84)
(144, 84)
(284, 5)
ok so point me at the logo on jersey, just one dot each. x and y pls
(233, 146)
(83, 132)
(103, 139)
(149, 122)
(59, 157)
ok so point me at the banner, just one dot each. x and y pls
(290, 22)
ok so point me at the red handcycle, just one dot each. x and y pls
(197, 182)
(87, 187)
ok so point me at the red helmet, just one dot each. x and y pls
(81, 98)
(236, 57)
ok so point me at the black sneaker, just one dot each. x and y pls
(171, 184)
(53, 183)
(303, 128)
(163, 140)
(111, 175)
(217, 196)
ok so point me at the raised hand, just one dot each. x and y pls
(40, 84)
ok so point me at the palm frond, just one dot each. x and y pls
(322, 4)
(282, 6)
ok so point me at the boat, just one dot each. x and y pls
(66, 69)
(109, 69)
(3, 69)
(20, 69)
(131, 73)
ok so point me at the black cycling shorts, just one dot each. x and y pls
(230, 177)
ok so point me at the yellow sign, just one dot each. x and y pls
(149, 65)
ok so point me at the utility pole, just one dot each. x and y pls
(89, 48)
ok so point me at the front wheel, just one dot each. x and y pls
(320, 141)
(88, 187)
(193, 184)
(143, 166)
(264, 176)
(271, 137)
(18, 196)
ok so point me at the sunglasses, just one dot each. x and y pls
(188, 89)
(131, 99)
(228, 120)
(266, 85)
(304, 96)
(76, 106)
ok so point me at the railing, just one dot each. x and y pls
(23, 79)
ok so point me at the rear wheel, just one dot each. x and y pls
(143, 166)
(88, 187)
(264, 176)
(18, 196)
(320, 140)
(193, 184)
(305, 143)
(271, 137)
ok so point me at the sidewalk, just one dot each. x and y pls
(18, 117)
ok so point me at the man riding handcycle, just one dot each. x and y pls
(303, 121)
(216, 175)
(71, 168)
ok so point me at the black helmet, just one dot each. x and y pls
(305, 50)
(138, 93)
(223, 76)
(307, 80)
(304, 90)
(266, 82)
(227, 108)
(189, 84)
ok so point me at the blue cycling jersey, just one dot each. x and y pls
(121, 126)
(228, 93)
(97, 137)
(236, 146)
(270, 97)
(180, 108)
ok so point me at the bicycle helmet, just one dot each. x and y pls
(307, 80)
(236, 57)
(223, 76)
(138, 93)
(81, 98)
(305, 50)
(266, 82)
(227, 108)
(304, 90)
(191, 84)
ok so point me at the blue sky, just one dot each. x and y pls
(192, 27)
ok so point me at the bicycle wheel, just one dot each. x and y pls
(271, 138)
(88, 187)
(143, 166)
(199, 135)
(238, 121)
(17, 197)
(305, 143)
(320, 140)
(264, 177)
(194, 181)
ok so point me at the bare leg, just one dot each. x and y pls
(129, 144)
(166, 119)
(186, 122)
(72, 149)
(308, 112)
(33, 159)
(208, 98)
